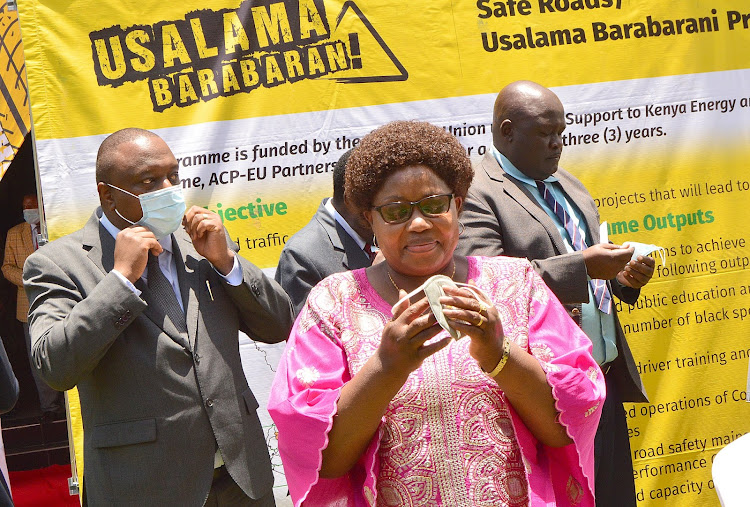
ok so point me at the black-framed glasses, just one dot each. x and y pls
(430, 206)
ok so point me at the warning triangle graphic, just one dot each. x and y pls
(372, 61)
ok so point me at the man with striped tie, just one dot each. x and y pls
(522, 205)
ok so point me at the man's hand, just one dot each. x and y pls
(209, 239)
(131, 251)
(637, 273)
(604, 261)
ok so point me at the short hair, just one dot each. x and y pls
(339, 173)
(399, 144)
(105, 162)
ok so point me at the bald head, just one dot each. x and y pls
(129, 163)
(108, 157)
(527, 125)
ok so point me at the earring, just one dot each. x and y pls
(461, 228)
(375, 241)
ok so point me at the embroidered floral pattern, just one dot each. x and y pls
(307, 376)
(574, 490)
(591, 410)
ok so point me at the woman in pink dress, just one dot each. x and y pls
(377, 404)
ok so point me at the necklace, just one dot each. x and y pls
(398, 290)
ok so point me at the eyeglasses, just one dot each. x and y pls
(400, 212)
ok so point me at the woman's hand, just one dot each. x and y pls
(476, 317)
(402, 347)
(637, 273)
(365, 398)
(522, 379)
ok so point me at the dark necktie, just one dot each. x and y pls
(369, 252)
(601, 292)
(164, 294)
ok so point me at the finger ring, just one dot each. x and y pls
(481, 321)
(483, 307)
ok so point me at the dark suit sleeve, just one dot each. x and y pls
(624, 293)
(68, 330)
(297, 274)
(264, 308)
(566, 276)
(482, 234)
(8, 383)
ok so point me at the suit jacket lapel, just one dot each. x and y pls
(99, 243)
(192, 279)
(27, 239)
(101, 251)
(519, 193)
(341, 240)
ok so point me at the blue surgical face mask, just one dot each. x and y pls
(31, 216)
(163, 210)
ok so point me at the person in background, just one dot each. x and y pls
(143, 316)
(22, 241)
(337, 238)
(377, 404)
(521, 204)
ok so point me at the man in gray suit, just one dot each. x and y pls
(521, 204)
(143, 317)
(336, 239)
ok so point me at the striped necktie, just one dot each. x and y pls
(601, 292)
(166, 297)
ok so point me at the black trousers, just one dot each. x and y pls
(225, 492)
(614, 482)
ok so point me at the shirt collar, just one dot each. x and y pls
(511, 170)
(343, 223)
(165, 242)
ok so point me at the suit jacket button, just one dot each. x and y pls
(255, 290)
(209, 403)
(197, 358)
(576, 311)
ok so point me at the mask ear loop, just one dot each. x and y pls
(473, 290)
(663, 254)
(442, 281)
(126, 192)
(419, 289)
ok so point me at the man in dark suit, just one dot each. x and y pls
(336, 239)
(143, 317)
(522, 205)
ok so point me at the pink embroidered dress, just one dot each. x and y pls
(449, 437)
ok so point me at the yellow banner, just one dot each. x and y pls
(14, 103)
(164, 65)
(258, 99)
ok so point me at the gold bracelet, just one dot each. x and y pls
(503, 360)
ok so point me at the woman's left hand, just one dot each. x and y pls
(479, 320)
